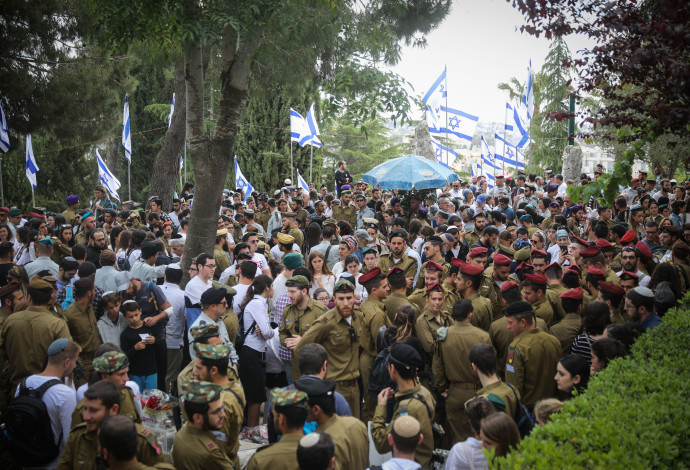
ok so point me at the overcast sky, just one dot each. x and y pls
(481, 44)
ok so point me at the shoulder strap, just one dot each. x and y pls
(416, 396)
(236, 396)
(43, 388)
(468, 456)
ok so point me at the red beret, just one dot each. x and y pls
(501, 260)
(603, 243)
(4, 209)
(575, 267)
(644, 251)
(535, 278)
(479, 251)
(457, 262)
(524, 265)
(394, 270)
(628, 237)
(369, 275)
(34, 215)
(574, 294)
(435, 287)
(590, 252)
(433, 266)
(509, 285)
(580, 241)
(596, 271)
(539, 253)
(471, 270)
(553, 266)
(635, 180)
(611, 288)
(499, 177)
(628, 275)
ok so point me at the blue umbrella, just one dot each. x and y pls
(410, 172)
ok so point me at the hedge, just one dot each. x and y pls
(634, 414)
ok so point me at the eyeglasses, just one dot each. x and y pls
(353, 336)
(323, 298)
(192, 269)
(212, 266)
(219, 412)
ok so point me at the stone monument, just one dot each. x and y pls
(422, 140)
(572, 163)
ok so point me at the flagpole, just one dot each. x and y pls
(129, 179)
(292, 167)
(444, 68)
(531, 145)
(33, 196)
(2, 190)
(185, 159)
(311, 160)
(505, 143)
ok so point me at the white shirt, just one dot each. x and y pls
(174, 329)
(462, 453)
(60, 401)
(145, 273)
(279, 288)
(260, 261)
(562, 189)
(278, 255)
(241, 290)
(134, 256)
(227, 272)
(457, 194)
(257, 311)
(413, 253)
(195, 288)
(328, 282)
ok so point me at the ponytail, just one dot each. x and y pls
(258, 287)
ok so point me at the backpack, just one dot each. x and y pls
(379, 378)
(123, 264)
(241, 334)
(523, 418)
(69, 297)
(28, 429)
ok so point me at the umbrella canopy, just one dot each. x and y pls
(410, 172)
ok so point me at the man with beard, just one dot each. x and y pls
(473, 235)
(630, 261)
(220, 253)
(490, 286)
(398, 258)
(639, 305)
(575, 223)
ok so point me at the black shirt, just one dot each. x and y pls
(142, 362)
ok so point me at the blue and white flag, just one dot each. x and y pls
(126, 137)
(461, 125)
(301, 183)
(111, 183)
(241, 182)
(438, 92)
(296, 125)
(444, 155)
(4, 131)
(528, 94)
(488, 164)
(506, 153)
(172, 110)
(31, 166)
(310, 130)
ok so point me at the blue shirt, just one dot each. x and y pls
(650, 322)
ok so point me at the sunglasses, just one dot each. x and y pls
(353, 336)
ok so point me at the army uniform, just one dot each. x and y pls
(297, 322)
(574, 227)
(611, 277)
(420, 279)
(222, 262)
(566, 330)
(261, 218)
(81, 449)
(542, 309)
(128, 408)
(471, 237)
(70, 217)
(298, 236)
(418, 300)
(553, 295)
(482, 316)
(302, 215)
(501, 396)
(82, 326)
(375, 320)
(453, 371)
(427, 326)
(501, 337)
(406, 263)
(341, 341)
(351, 440)
(80, 238)
(392, 304)
(489, 289)
(348, 214)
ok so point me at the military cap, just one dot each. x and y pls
(363, 234)
(435, 287)
(611, 288)
(343, 286)
(57, 346)
(518, 308)
(433, 266)
(110, 362)
(196, 391)
(509, 285)
(207, 330)
(40, 284)
(529, 206)
(506, 250)
(15, 212)
(644, 291)
(590, 251)
(281, 397)
(481, 198)
(575, 267)
(391, 272)
(330, 221)
(526, 218)
(500, 177)
(580, 241)
(314, 387)
(575, 208)
(644, 251)
(457, 262)
(596, 271)
(71, 199)
(554, 204)
(212, 296)
(539, 279)
(551, 188)
(221, 232)
(285, 239)
(604, 244)
(478, 252)
(651, 181)
(554, 265)
(83, 216)
(228, 290)
(524, 265)
(398, 233)
(368, 249)
(370, 220)
(531, 186)
(395, 200)
(252, 229)
(470, 269)
(625, 275)
(406, 426)
(562, 233)
(46, 241)
(209, 351)
(14, 286)
(369, 275)
(297, 281)
(573, 294)
(501, 260)
(404, 355)
(539, 253)
(4, 209)
(292, 261)
(85, 282)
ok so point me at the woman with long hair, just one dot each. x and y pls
(257, 328)
(605, 350)
(403, 331)
(313, 236)
(596, 317)
(123, 242)
(572, 374)
(352, 273)
(6, 234)
(468, 455)
(415, 227)
(322, 277)
(114, 237)
(134, 248)
(665, 272)
(66, 235)
(498, 432)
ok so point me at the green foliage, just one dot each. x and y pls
(632, 416)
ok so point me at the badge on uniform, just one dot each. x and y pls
(211, 446)
(219, 435)
(510, 358)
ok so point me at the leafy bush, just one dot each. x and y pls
(634, 414)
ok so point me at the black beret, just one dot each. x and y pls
(315, 387)
(212, 296)
(518, 308)
(403, 355)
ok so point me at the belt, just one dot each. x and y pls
(464, 385)
(346, 383)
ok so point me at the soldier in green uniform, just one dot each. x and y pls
(554, 210)
(220, 253)
(299, 210)
(300, 314)
(453, 374)
(592, 256)
(569, 327)
(345, 211)
(261, 214)
(532, 356)
(433, 274)
(467, 285)
(433, 249)
(349, 434)
(397, 297)
(397, 257)
(286, 243)
(112, 366)
(554, 289)
(81, 320)
(289, 413)
(484, 363)
(88, 223)
(291, 228)
(195, 447)
(432, 318)
(534, 292)
(70, 214)
(479, 220)
(411, 399)
(489, 287)
(339, 331)
(81, 450)
(117, 439)
(613, 295)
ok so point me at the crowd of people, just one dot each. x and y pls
(450, 321)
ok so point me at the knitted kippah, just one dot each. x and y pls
(406, 426)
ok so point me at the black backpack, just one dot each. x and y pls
(523, 418)
(123, 264)
(241, 334)
(28, 429)
(379, 378)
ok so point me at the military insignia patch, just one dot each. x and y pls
(211, 446)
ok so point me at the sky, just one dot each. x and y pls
(481, 44)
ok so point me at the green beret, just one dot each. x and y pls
(506, 250)
(207, 330)
(282, 397)
(40, 284)
(292, 261)
(229, 290)
(110, 362)
(15, 212)
(345, 191)
(297, 281)
(522, 254)
(196, 391)
(343, 287)
(208, 351)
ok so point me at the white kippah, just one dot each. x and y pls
(310, 439)
(644, 291)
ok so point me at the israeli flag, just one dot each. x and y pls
(301, 183)
(4, 132)
(438, 92)
(488, 164)
(460, 124)
(31, 166)
(508, 124)
(126, 137)
(111, 183)
(310, 130)
(506, 153)
(172, 110)
(242, 182)
(520, 125)
(528, 94)
(444, 155)
(296, 125)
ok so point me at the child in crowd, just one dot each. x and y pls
(135, 341)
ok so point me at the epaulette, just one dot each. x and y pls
(79, 426)
(325, 317)
(259, 449)
(149, 437)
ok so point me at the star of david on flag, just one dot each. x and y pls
(241, 182)
(505, 152)
(111, 183)
(444, 155)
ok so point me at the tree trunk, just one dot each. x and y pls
(166, 167)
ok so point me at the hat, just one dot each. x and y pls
(477, 252)
(554, 204)
(470, 269)
(521, 244)
(625, 275)
(404, 355)
(207, 330)
(406, 426)
(40, 284)
(539, 279)
(575, 208)
(524, 265)
(635, 180)
(209, 351)
(604, 244)
(392, 272)
(14, 286)
(518, 308)
(644, 291)
(369, 275)
(363, 234)
(110, 362)
(447, 237)
(370, 220)
(628, 237)
(481, 198)
(122, 280)
(212, 296)
(149, 248)
(4, 209)
(580, 241)
(539, 253)
(107, 255)
(350, 241)
(285, 239)
(644, 251)
(501, 260)
(289, 215)
(330, 221)
(611, 288)
(435, 287)
(57, 346)
(551, 188)
(500, 177)
(343, 287)
(561, 233)
(292, 261)
(196, 391)
(297, 281)
(573, 294)
(71, 199)
(281, 397)
(314, 387)
(15, 212)
(221, 232)
(85, 282)
(433, 266)
(553, 265)
(596, 271)
(590, 252)
(509, 285)
(84, 215)
(576, 268)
